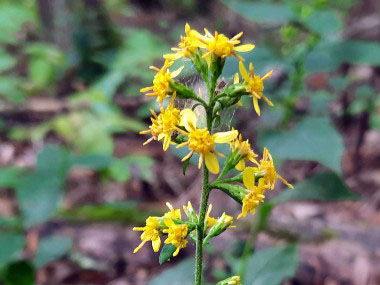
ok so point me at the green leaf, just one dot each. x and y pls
(181, 274)
(272, 265)
(357, 52)
(53, 160)
(40, 72)
(325, 186)
(119, 170)
(144, 164)
(312, 139)
(12, 247)
(6, 61)
(10, 89)
(91, 161)
(50, 249)
(167, 252)
(9, 176)
(20, 273)
(12, 17)
(185, 165)
(324, 22)
(39, 195)
(261, 12)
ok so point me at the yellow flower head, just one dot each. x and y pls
(151, 231)
(221, 46)
(235, 280)
(202, 142)
(161, 81)
(254, 85)
(244, 148)
(186, 47)
(209, 221)
(164, 124)
(266, 166)
(176, 235)
(254, 196)
(172, 214)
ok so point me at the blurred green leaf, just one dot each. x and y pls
(124, 212)
(357, 52)
(12, 16)
(319, 102)
(312, 139)
(166, 252)
(261, 12)
(53, 160)
(6, 61)
(40, 72)
(91, 161)
(50, 249)
(119, 170)
(324, 22)
(12, 247)
(19, 273)
(325, 186)
(10, 89)
(181, 274)
(272, 265)
(144, 165)
(9, 176)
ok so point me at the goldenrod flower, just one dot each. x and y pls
(164, 124)
(151, 231)
(186, 47)
(161, 81)
(209, 221)
(220, 45)
(172, 214)
(201, 141)
(254, 196)
(176, 235)
(255, 85)
(234, 280)
(244, 149)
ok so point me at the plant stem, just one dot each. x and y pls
(249, 245)
(200, 227)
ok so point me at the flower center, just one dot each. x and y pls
(256, 84)
(201, 141)
(161, 83)
(221, 46)
(168, 120)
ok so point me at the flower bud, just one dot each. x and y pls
(220, 226)
(190, 213)
(234, 280)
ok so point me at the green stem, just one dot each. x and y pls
(249, 245)
(200, 227)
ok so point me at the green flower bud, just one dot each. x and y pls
(234, 280)
(220, 226)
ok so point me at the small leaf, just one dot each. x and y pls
(51, 249)
(91, 161)
(167, 252)
(324, 22)
(272, 265)
(185, 165)
(13, 249)
(181, 274)
(9, 176)
(326, 186)
(20, 273)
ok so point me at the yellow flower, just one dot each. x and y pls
(161, 81)
(176, 235)
(186, 47)
(266, 166)
(172, 214)
(151, 231)
(254, 196)
(221, 46)
(255, 85)
(209, 221)
(244, 148)
(201, 141)
(164, 124)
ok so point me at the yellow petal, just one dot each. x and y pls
(269, 74)
(169, 222)
(239, 103)
(146, 89)
(178, 71)
(244, 48)
(256, 105)
(176, 252)
(225, 137)
(241, 165)
(212, 163)
(188, 119)
(166, 142)
(249, 178)
(172, 56)
(156, 243)
(140, 246)
(236, 78)
(243, 71)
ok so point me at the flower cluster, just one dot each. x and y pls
(177, 229)
(183, 128)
